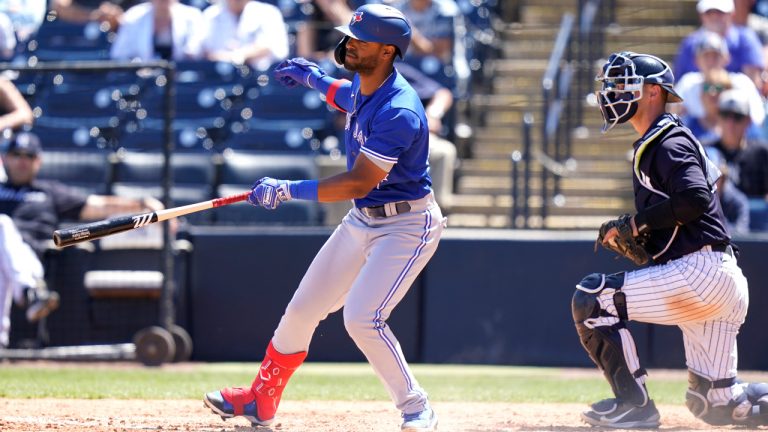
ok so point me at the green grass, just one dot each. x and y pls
(321, 381)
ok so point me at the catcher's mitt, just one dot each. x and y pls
(624, 244)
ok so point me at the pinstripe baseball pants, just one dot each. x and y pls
(706, 295)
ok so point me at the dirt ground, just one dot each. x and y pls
(30, 415)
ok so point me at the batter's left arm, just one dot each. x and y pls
(295, 71)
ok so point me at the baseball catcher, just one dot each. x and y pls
(693, 280)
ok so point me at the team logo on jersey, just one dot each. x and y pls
(358, 135)
(356, 18)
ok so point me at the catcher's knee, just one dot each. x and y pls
(748, 409)
(585, 304)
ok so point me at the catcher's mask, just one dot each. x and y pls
(622, 78)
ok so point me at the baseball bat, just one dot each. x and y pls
(106, 227)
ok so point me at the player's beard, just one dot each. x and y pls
(361, 65)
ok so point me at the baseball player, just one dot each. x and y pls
(374, 255)
(694, 281)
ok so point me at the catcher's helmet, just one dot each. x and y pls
(376, 23)
(622, 78)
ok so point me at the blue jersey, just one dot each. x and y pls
(389, 127)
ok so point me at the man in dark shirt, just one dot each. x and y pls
(747, 160)
(30, 210)
(694, 281)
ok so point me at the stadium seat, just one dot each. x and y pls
(73, 134)
(188, 135)
(277, 135)
(141, 174)
(239, 170)
(276, 102)
(88, 172)
(60, 40)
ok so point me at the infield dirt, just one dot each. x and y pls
(29, 415)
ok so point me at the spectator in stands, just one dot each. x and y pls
(711, 57)
(315, 37)
(432, 22)
(743, 44)
(159, 29)
(244, 31)
(83, 11)
(747, 159)
(437, 27)
(734, 203)
(7, 37)
(438, 101)
(26, 16)
(744, 15)
(704, 122)
(30, 210)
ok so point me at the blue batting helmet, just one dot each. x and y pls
(379, 23)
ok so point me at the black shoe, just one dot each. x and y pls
(614, 413)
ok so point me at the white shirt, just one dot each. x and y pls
(259, 24)
(7, 35)
(135, 36)
(689, 86)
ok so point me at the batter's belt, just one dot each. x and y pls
(396, 208)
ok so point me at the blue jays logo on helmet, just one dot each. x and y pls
(622, 78)
(379, 23)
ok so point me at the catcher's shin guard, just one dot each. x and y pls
(606, 339)
(750, 408)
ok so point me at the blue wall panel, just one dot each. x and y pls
(487, 297)
(242, 280)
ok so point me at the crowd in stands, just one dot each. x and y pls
(226, 100)
(721, 72)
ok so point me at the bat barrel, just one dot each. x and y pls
(93, 231)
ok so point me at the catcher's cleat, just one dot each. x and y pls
(233, 402)
(424, 421)
(617, 414)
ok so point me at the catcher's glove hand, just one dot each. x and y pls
(623, 242)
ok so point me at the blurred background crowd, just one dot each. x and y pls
(226, 100)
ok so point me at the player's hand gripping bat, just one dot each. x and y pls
(106, 227)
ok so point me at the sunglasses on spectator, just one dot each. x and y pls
(18, 154)
(732, 116)
(712, 89)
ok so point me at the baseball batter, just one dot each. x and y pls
(694, 281)
(381, 245)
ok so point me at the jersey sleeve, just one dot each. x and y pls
(392, 133)
(680, 162)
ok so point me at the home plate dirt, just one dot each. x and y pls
(30, 415)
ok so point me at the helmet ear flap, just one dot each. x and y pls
(340, 53)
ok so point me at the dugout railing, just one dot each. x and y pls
(567, 80)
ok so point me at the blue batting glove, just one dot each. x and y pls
(299, 70)
(269, 193)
